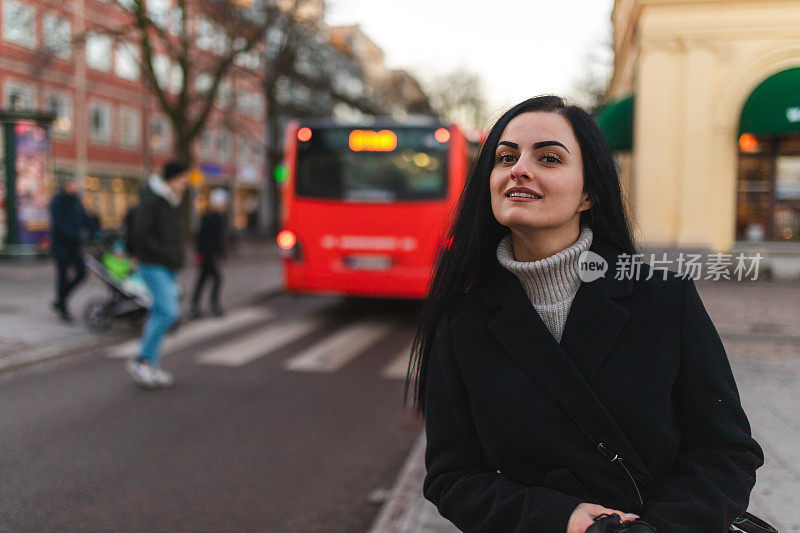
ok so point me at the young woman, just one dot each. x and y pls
(552, 395)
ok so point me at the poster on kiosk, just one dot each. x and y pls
(25, 188)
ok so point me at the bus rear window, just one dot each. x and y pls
(370, 167)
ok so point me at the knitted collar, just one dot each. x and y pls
(550, 280)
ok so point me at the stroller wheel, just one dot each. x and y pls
(97, 315)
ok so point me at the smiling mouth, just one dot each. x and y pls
(522, 192)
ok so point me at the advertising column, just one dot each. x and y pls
(25, 185)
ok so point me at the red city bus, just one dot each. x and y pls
(365, 206)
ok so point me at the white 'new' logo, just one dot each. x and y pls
(591, 266)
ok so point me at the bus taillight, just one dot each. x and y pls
(442, 135)
(304, 134)
(287, 241)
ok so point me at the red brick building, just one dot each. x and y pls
(111, 132)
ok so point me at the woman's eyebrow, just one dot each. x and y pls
(515, 146)
(542, 144)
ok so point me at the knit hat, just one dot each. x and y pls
(174, 168)
(218, 197)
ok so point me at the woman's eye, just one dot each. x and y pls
(551, 159)
(505, 159)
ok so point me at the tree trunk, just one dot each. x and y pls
(182, 148)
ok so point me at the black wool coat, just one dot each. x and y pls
(67, 220)
(643, 363)
(158, 232)
(210, 238)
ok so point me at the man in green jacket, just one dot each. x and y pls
(158, 245)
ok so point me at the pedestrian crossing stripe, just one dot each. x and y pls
(328, 355)
(197, 331)
(251, 347)
(335, 351)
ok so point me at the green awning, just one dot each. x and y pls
(616, 122)
(773, 108)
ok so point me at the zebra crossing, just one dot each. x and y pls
(200, 330)
(261, 333)
(338, 349)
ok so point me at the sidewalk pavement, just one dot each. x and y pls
(759, 323)
(31, 331)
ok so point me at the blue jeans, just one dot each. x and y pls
(163, 313)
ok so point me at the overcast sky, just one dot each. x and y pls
(519, 47)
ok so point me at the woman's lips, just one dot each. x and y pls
(522, 193)
(519, 199)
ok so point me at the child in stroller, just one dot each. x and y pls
(128, 295)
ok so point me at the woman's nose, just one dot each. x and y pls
(520, 170)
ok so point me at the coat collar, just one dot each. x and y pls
(160, 188)
(566, 370)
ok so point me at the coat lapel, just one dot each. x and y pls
(593, 324)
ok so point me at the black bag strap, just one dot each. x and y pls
(746, 522)
(752, 524)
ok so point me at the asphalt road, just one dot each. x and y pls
(286, 416)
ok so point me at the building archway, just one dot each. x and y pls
(758, 65)
(768, 170)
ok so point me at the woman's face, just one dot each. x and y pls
(537, 179)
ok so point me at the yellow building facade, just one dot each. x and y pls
(713, 156)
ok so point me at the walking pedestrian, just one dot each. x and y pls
(67, 221)
(553, 396)
(210, 245)
(158, 245)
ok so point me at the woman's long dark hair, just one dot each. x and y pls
(474, 233)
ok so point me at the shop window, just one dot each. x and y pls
(98, 51)
(768, 205)
(787, 177)
(109, 198)
(100, 122)
(789, 145)
(755, 191)
(19, 23)
(61, 177)
(57, 33)
(60, 104)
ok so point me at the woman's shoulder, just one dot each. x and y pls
(656, 281)
(460, 306)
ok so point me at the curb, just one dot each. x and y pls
(51, 351)
(406, 510)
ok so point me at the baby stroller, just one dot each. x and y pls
(128, 297)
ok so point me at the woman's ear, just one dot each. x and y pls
(586, 202)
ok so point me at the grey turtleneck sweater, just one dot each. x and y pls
(550, 283)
